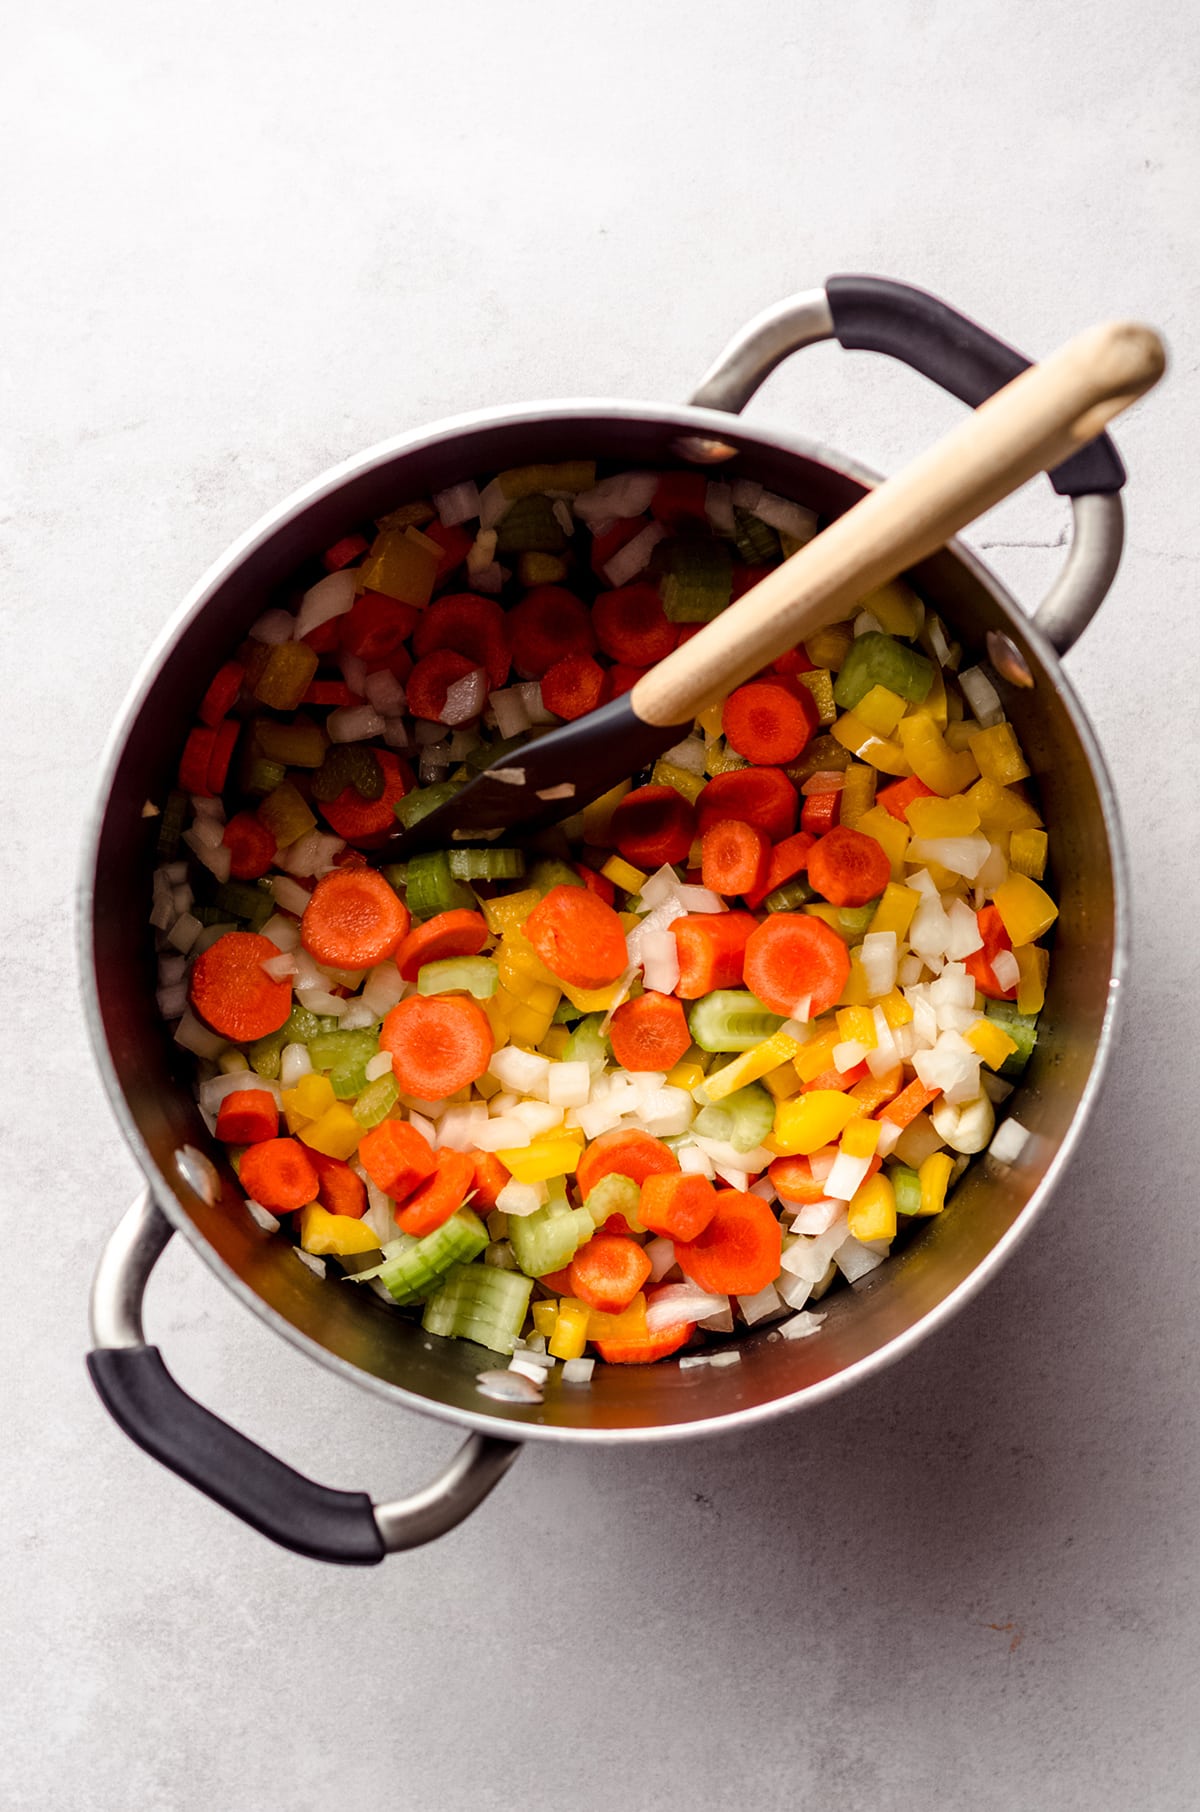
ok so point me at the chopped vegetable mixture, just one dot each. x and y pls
(685, 1061)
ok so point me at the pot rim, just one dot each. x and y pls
(712, 424)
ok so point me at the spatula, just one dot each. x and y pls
(1034, 423)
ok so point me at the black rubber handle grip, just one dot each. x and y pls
(143, 1398)
(873, 314)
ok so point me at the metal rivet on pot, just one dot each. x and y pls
(1007, 659)
(199, 1173)
(701, 450)
(508, 1387)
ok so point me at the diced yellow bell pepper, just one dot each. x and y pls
(689, 785)
(529, 1025)
(990, 1041)
(861, 1137)
(782, 1083)
(556, 1155)
(946, 881)
(959, 733)
(407, 515)
(858, 794)
(597, 817)
(856, 1025)
(336, 1133)
(593, 1000)
(1000, 809)
(881, 752)
(820, 684)
(1026, 909)
(624, 875)
(931, 757)
(507, 911)
(230, 1062)
(874, 1092)
(322, 1232)
(880, 710)
(891, 836)
(310, 1097)
(545, 1314)
(894, 1007)
(554, 1043)
(286, 676)
(955, 817)
(815, 1057)
(571, 1329)
(711, 718)
(811, 1120)
(857, 991)
(286, 815)
(498, 1008)
(1027, 853)
(872, 1210)
(896, 607)
(631, 920)
(829, 647)
(523, 972)
(934, 1175)
(999, 754)
(829, 915)
(630, 1324)
(541, 569)
(751, 1066)
(572, 475)
(402, 564)
(935, 703)
(895, 910)
(1033, 963)
(687, 1074)
(486, 1086)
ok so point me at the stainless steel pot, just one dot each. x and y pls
(192, 1190)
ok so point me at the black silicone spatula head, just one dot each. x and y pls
(550, 778)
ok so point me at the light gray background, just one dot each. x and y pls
(242, 242)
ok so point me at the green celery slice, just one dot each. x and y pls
(876, 659)
(588, 1044)
(699, 581)
(487, 864)
(420, 1267)
(430, 887)
(416, 805)
(549, 1238)
(907, 1185)
(338, 1050)
(731, 1019)
(742, 1119)
(529, 526)
(791, 896)
(756, 541)
(376, 1101)
(1022, 1028)
(171, 825)
(616, 1194)
(477, 975)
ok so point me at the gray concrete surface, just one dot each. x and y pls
(241, 242)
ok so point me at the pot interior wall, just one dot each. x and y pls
(352, 1328)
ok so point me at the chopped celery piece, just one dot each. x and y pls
(549, 1238)
(480, 1302)
(475, 975)
(756, 541)
(257, 774)
(719, 758)
(420, 1266)
(529, 526)
(299, 744)
(418, 804)
(616, 1194)
(350, 1078)
(286, 814)
(588, 1044)
(1021, 1028)
(855, 921)
(790, 897)
(337, 1050)
(822, 754)
(876, 659)
(907, 1185)
(376, 1101)
(731, 1019)
(488, 752)
(265, 1053)
(395, 874)
(430, 887)
(211, 915)
(742, 1119)
(548, 872)
(699, 581)
(171, 825)
(300, 1025)
(348, 764)
(565, 1012)
(241, 900)
(486, 864)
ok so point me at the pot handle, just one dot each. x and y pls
(877, 315)
(143, 1398)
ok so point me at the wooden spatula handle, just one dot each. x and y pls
(1032, 425)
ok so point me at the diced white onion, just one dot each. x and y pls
(494, 502)
(661, 1253)
(1006, 969)
(465, 698)
(262, 1217)
(800, 1326)
(867, 624)
(699, 899)
(818, 1217)
(822, 1161)
(385, 693)
(658, 888)
(795, 1291)
(538, 1116)
(667, 1112)
(761, 1306)
(792, 518)
(283, 932)
(519, 1199)
(354, 672)
(946, 652)
(172, 999)
(694, 1162)
(318, 1000)
(745, 494)
(207, 805)
(273, 627)
(512, 719)
(853, 1259)
(172, 967)
(568, 1084)
(524, 1072)
(847, 1176)
(660, 961)
(294, 1062)
(562, 514)
(964, 938)
(315, 1263)
(674, 1303)
(917, 1141)
(330, 597)
(197, 1038)
(966, 1127)
(489, 579)
(982, 696)
(184, 932)
(578, 1371)
(688, 755)
(378, 1065)
(1010, 1141)
(624, 495)
(721, 1322)
(290, 895)
(634, 557)
(459, 1124)
(718, 507)
(216, 858)
(482, 552)
(879, 958)
(457, 503)
(353, 723)
(312, 854)
(530, 694)
(961, 855)
(848, 1054)
(357, 1017)
(280, 967)
(181, 898)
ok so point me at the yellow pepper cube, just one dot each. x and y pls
(522, 970)
(990, 1041)
(959, 734)
(499, 1008)
(687, 1074)
(817, 1118)
(689, 785)
(936, 702)
(630, 1324)
(507, 911)
(1027, 853)
(934, 1175)
(751, 1066)
(623, 874)
(570, 475)
(891, 836)
(545, 1314)
(815, 1057)
(881, 710)
(858, 794)
(999, 754)
(336, 1133)
(710, 720)
(861, 1137)
(1001, 809)
(931, 757)
(486, 1086)
(956, 817)
(554, 1043)
(829, 647)
(820, 684)
(597, 817)
(895, 1008)
(402, 564)
(881, 752)
(857, 991)
(895, 910)
(1033, 962)
(594, 1000)
(407, 514)
(529, 1025)
(1026, 909)
(541, 569)
(896, 607)
(286, 676)
(308, 1100)
(570, 1333)
(829, 915)
(782, 1083)
(322, 1232)
(872, 1210)
(555, 1156)
(856, 1025)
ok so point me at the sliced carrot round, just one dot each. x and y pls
(396, 1157)
(623, 678)
(574, 686)
(762, 796)
(645, 1352)
(792, 959)
(375, 626)
(649, 1033)
(793, 1180)
(626, 1154)
(734, 857)
(608, 1272)
(368, 823)
(489, 1179)
(231, 992)
(547, 624)
(251, 846)
(712, 951)
(247, 1117)
(439, 1196)
(431, 679)
(631, 625)
(438, 1043)
(353, 919)
(653, 825)
(847, 867)
(769, 721)
(457, 933)
(471, 626)
(578, 937)
(340, 1189)
(279, 1174)
(738, 1252)
(677, 1207)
